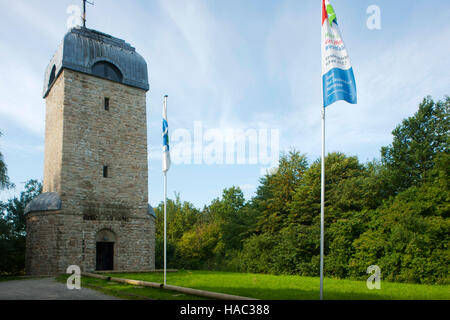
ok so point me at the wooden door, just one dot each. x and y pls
(105, 256)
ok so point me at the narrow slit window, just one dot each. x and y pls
(107, 104)
(105, 171)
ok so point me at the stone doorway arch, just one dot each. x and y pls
(105, 240)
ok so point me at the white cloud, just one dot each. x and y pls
(24, 148)
(201, 67)
(35, 15)
(22, 102)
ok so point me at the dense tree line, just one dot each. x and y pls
(13, 229)
(393, 213)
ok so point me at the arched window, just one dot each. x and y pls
(52, 75)
(105, 235)
(107, 70)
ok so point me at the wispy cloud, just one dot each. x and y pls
(21, 95)
(35, 15)
(205, 70)
(234, 65)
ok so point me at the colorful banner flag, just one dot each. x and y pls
(337, 73)
(165, 129)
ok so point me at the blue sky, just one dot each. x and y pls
(239, 64)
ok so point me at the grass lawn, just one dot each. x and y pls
(126, 291)
(272, 287)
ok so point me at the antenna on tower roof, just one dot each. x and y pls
(84, 11)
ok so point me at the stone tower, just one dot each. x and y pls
(94, 210)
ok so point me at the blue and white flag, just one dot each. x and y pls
(337, 73)
(165, 134)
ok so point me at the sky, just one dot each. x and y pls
(232, 66)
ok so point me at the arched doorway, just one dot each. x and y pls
(105, 240)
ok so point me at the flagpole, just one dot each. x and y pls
(322, 204)
(165, 203)
(336, 73)
(322, 196)
(165, 225)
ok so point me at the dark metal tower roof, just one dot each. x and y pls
(82, 48)
(151, 212)
(48, 201)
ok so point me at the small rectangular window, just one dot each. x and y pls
(107, 104)
(105, 171)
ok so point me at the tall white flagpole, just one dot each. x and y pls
(165, 226)
(322, 204)
(338, 83)
(322, 176)
(322, 196)
(165, 210)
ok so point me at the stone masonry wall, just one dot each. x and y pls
(80, 138)
(54, 137)
(94, 137)
(56, 241)
(41, 243)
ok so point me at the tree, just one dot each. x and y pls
(257, 254)
(181, 218)
(198, 247)
(232, 216)
(4, 179)
(343, 190)
(276, 191)
(408, 236)
(417, 142)
(12, 229)
(13, 210)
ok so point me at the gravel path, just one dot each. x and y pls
(46, 289)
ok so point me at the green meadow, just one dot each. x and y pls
(274, 287)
